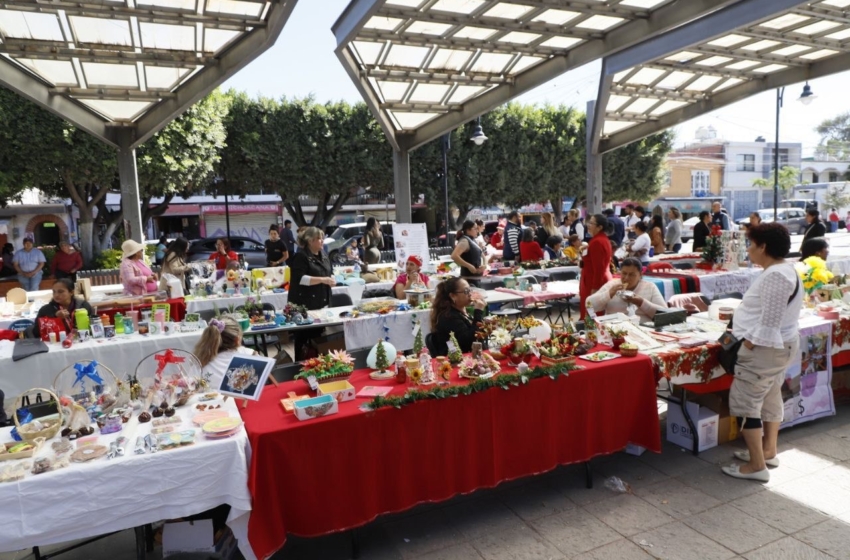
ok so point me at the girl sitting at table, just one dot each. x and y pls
(573, 249)
(219, 343)
(62, 306)
(644, 294)
(137, 277)
(449, 315)
(552, 250)
(410, 278)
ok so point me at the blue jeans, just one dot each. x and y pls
(833, 227)
(677, 247)
(30, 284)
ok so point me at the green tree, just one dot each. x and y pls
(837, 197)
(635, 171)
(837, 129)
(789, 177)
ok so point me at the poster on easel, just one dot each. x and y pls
(731, 243)
(411, 239)
(807, 390)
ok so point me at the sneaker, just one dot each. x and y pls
(745, 456)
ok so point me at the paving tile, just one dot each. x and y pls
(634, 471)
(803, 431)
(419, 534)
(711, 480)
(677, 541)
(516, 544)
(722, 454)
(781, 475)
(463, 551)
(672, 461)
(621, 550)
(575, 531)
(839, 475)
(816, 493)
(779, 511)
(827, 445)
(831, 537)
(803, 460)
(788, 548)
(842, 432)
(479, 517)
(571, 483)
(732, 528)
(628, 514)
(535, 500)
(676, 498)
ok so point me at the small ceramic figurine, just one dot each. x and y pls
(427, 368)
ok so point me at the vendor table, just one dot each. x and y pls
(342, 471)
(177, 311)
(708, 283)
(554, 291)
(89, 499)
(120, 354)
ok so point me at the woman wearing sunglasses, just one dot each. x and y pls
(448, 315)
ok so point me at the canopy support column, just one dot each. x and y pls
(594, 165)
(401, 172)
(129, 178)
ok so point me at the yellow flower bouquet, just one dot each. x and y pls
(814, 274)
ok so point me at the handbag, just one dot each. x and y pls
(730, 344)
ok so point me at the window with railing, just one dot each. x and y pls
(700, 183)
(746, 162)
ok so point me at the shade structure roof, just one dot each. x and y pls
(106, 65)
(724, 57)
(427, 66)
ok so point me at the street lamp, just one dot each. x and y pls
(805, 98)
(478, 137)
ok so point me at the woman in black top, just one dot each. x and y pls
(63, 305)
(467, 253)
(310, 284)
(276, 251)
(8, 256)
(448, 315)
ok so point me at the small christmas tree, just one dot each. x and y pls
(381, 360)
(455, 355)
(713, 251)
(417, 343)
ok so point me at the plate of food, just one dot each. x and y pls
(599, 356)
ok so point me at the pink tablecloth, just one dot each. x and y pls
(537, 297)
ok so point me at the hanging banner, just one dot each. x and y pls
(807, 391)
(411, 239)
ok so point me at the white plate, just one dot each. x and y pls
(599, 356)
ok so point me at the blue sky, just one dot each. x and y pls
(303, 63)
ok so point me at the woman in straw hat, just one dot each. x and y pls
(137, 277)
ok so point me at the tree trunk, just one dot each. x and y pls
(149, 213)
(462, 213)
(86, 234)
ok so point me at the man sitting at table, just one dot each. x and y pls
(645, 295)
(62, 306)
(448, 315)
(411, 277)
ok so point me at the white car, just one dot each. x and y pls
(688, 228)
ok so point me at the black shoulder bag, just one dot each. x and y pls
(730, 344)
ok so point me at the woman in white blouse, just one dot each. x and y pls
(645, 295)
(640, 246)
(766, 322)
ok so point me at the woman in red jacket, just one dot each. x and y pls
(595, 270)
(529, 248)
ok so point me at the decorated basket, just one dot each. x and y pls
(90, 384)
(550, 361)
(45, 427)
(628, 352)
(169, 376)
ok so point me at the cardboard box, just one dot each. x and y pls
(727, 426)
(706, 422)
(188, 536)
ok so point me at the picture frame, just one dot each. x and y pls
(192, 318)
(245, 376)
(165, 307)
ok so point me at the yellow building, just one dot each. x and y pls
(695, 172)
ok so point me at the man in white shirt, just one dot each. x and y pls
(630, 219)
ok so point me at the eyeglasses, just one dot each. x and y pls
(466, 291)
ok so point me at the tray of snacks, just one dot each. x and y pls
(600, 356)
(19, 449)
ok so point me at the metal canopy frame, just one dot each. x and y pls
(745, 49)
(110, 65)
(425, 67)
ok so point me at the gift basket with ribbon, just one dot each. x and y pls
(169, 377)
(91, 385)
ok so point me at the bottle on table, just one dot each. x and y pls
(119, 323)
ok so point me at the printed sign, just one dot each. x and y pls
(411, 239)
(807, 391)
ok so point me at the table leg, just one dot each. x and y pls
(588, 475)
(695, 435)
(355, 543)
(141, 542)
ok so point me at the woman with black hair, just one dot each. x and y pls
(373, 241)
(448, 315)
(174, 262)
(596, 263)
(814, 247)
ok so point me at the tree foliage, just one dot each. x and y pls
(789, 177)
(837, 197)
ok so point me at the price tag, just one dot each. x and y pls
(314, 385)
(415, 329)
(451, 346)
(486, 376)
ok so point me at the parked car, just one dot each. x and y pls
(253, 250)
(337, 242)
(688, 228)
(792, 218)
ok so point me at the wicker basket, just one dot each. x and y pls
(628, 352)
(188, 375)
(547, 361)
(111, 383)
(53, 425)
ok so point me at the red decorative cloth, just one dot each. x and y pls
(339, 472)
(178, 309)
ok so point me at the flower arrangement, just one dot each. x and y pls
(337, 363)
(476, 367)
(814, 274)
(500, 336)
(617, 332)
(293, 311)
(445, 369)
(415, 375)
(713, 251)
(517, 348)
(564, 344)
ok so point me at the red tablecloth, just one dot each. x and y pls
(334, 473)
(177, 312)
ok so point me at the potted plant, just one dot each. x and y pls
(618, 336)
(337, 364)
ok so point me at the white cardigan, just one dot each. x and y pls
(653, 301)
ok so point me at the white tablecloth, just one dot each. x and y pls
(120, 354)
(365, 332)
(223, 303)
(106, 495)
